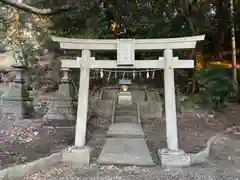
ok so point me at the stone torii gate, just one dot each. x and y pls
(126, 59)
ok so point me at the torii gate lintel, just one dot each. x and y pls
(139, 64)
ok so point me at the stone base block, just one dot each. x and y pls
(78, 156)
(174, 159)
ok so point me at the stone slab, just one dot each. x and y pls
(125, 130)
(126, 151)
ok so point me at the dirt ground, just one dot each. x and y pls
(195, 127)
(47, 141)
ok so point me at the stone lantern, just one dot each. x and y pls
(61, 113)
(16, 101)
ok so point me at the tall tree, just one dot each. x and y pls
(234, 57)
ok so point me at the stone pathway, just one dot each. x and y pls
(125, 151)
(125, 143)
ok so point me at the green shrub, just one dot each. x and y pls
(216, 86)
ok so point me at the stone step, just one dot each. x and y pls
(126, 118)
(125, 151)
(126, 106)
(125, 113)
(126, 110)
(130, 130)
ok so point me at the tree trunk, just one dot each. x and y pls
(234, 58)
(34, 10)
(222, 20)
(192, 23)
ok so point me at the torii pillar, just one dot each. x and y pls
(80, 153)
(82, 110)
(172, 156)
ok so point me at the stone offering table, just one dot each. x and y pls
(125, 98)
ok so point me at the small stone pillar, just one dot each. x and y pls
(61, 112)
(16, 100)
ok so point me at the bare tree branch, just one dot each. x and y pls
(34, 10)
